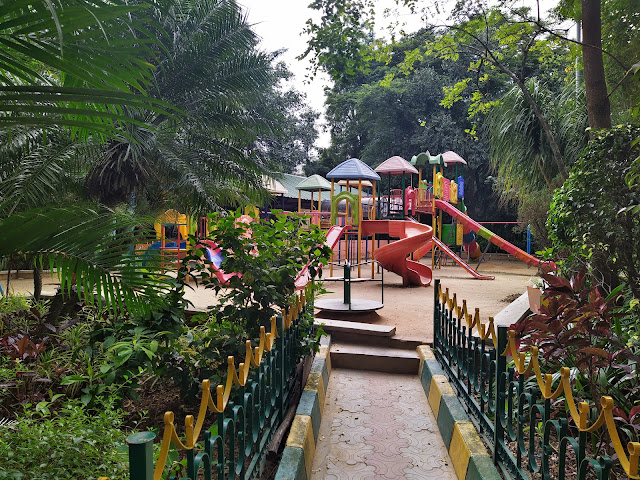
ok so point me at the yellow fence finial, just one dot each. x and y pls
(239, 376)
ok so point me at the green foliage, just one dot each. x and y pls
(268, 255)
(201, 353)
(94, 250)
(520, 152)
(72, 442)
(589, 222)
(57, 64)
(290, 142)
(339, 41)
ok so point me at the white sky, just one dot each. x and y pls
(280, 24)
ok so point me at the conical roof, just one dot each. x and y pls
(452, 157)
(314, 183)
(395, 166)
(353, 169)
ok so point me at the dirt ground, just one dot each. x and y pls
(409, 309)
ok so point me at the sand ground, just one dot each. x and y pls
(409, 309)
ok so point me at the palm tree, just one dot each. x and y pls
(75, 63)
(71, 70)
(520, 153)
(209, 67)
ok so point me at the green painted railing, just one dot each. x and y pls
(248, 409)
(508, 409)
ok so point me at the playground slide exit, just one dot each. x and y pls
(393, 257)
(493, 238)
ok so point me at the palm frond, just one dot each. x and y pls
(96, 248)
(74, 63)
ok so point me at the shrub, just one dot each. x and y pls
(71, 443)
(593, 335)
(589, 221)
(268, 255)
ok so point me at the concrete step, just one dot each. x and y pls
(358, 328)
(374, 358)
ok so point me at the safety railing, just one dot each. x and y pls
(515, 407)
(248, 409)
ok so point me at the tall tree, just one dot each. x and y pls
(594, 80)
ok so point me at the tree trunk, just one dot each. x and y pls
(598, 107)
(37, 279)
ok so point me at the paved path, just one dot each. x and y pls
(378, 426)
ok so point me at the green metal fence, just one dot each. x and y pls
(248, 409)
(515, 406)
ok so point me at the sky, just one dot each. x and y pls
(280, 24)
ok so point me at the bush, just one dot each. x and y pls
(268, 255)
(71, 443)
(589, 221)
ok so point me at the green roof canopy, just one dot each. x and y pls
(314, 183)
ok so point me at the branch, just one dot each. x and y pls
(555, 33)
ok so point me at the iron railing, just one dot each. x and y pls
(248, 409)
(514, 406)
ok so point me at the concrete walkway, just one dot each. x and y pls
(378, 426)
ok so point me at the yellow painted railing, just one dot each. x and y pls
(482, 330)
(239, 376)
(628, 458)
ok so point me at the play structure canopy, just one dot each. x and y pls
(395, 166)
(446, 158)
(314, 183)
(452, 157)
(353, 169)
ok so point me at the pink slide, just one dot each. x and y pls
(393, 257)
(493, 238)
(213, 253)
(461, 262)
(333, 236)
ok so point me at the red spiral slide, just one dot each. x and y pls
(393, 257)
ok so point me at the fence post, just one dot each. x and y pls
(283, 353)
(436, 313)
(141, 455)
(501, 367)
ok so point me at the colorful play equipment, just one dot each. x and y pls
(312, 184)
(445, 195)
(353, 172)
(393, 214)
(172, 233)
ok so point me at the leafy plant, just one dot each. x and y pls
(589, 223)
(72, 442)
(575, 329)
(268, 256)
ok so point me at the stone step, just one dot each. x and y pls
(359, 328)
(374, 358)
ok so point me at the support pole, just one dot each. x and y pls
(331, 259)
(403, 197)
(319, 207)
(373, 235)
(347, 284)
(359, 249)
